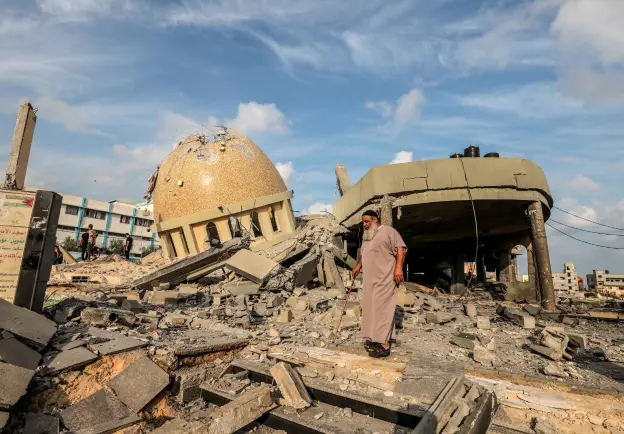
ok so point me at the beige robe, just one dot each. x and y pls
(380, 290)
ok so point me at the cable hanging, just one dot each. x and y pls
(583, 241)
(586, 230)
(587, 220)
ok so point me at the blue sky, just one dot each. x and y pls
(316, 83)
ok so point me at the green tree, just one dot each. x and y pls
(147, 250)
(69, 244)
(116, 246)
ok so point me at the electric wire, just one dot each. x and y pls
(583, 241)
(474, 214)
(587, 220)
(586, 230)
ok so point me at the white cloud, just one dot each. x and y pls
(286, 170)
(402, 157)
(405, 111)
(259, 118)
(384, 108)
(318, 208)
(173, 127)
(584, 183)
(59, 112)
(572, 206)
(83, 8)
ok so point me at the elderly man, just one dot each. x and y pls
(381, 257)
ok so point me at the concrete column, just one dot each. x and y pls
(20, 147)
(386, 211)
(542, 255)
(342, 179)
(165, 243)
(458, 285)
(191, 242)
(480, 266)
(531, 270)
(505, 267)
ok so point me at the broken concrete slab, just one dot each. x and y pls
(101, 407)
(241, 411)
(35, 329)
(483, 356)
(290, 384)
(213, 346)
(4, 419)
(297, 304)
(101, 316)
(469, 344)
(331, 272)
(133, 306)
(483, 323)
(554, 370)
(250, 265)
(175, 320)
(111, 427)
(16, 353)
(242, 288)
(549, 353)
(117, 346)
(14, 383)
(164, 298)
(439, 317)
(533, 309)
(305, 270)
(70, 359)
(139, 383)
(187, 290)
(579, 340)
(521, 318)
(285, 316)
(470, 309)
(40, 423)
(187, 384)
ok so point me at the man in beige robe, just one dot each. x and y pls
(381, 258)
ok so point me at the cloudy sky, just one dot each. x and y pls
(315, 83)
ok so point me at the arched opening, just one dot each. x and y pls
(255, 224)
(274, 221)
(519, 263)
(212, 233)
(234, 225)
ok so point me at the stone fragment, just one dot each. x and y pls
(70, 359)
(275, 301)
(187, 290)
(274, 333)
(483, 356)
(483, 323)
(297, 304)
(99, 408)
(40, 423)
(139, 383)
(117, 346)
(13, 383)
(542, 426)
(242, 288)
(521, 318)
(305, 270)
(111, 426)
(405, 298)
(470, 309)
(133, 306)
(533, 309)
(16, 353)
(569, 320)
(250, 265)
(164, 298)
(347, 412)
(285, 316)
(4, 419)
(554, 370)
(274, 341)
(30, 326)
(175, 320)
(319, 415)
(292, 387)
(463, 343)
(307, 373)
(439, 317)
(578, 340)
(595, 420)
(106, 316)
(489, 343)
(547, 352)
(241, 411)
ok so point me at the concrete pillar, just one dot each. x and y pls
(480, 266)
(542, 255)
(531, 270)
(20, 147)
(458, 285)
(191, 242)
(505, 266)
(342, 179)
(386, 211)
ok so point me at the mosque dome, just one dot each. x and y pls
(205, 172)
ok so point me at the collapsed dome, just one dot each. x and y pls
(203, 173)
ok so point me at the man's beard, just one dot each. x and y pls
(370, 233)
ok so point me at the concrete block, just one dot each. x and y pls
(101, 407)
(139, 383)
(13, 384)
(187, 290)
(469, 344)
(175, 320)
(106, 317)
(292, 387)
(117, 346)
(483, 323)
(439, 317)
(242, 288)
(528, 322)
(405, 298)
(578, 340)
(16, 353)
(521, 318)
(70, 359)
(306, 270)
(297, 304)
(250, 265)
(533, 309)
(39, 423)
(549, 353)
(285, 316)
(133, 306)
(187, 384)
(35, 329)
(483, 356)
(275, 301)
(470, 309)
(261, 309)
(241, 411)
(554, 370)
(164, 298)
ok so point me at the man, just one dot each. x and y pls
(381, 257)
(91, 243)
(83, 243)
(128, 246)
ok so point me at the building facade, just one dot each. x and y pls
(602, 279)
(568, 280)
(112, 220)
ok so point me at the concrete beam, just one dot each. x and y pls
(20, 147)
(542, 255)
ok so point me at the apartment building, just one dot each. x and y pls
(111, 219)
(568, 280)
(602, 279)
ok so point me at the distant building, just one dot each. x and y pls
(568, 280)
(111, 219)
(601, 279)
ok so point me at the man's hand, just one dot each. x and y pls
(398, 276)
(357, 270)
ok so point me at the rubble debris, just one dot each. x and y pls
(241, 411)
(523, 319)
(4, 419)
(251, 266)
(242, 288)
(101, 407)
(305, 270)
(483, 323)
(470, 309)
(466, 343)
(554, 370)
(290, 384)
(405, 298)
(35, 329)
(111, 426)
(533, 309)
(139, 383)
(106, 316)
(40, 423)
(188, 382)
(285, 316)
(332, 275)
(117, 346)
(164, 298)
(14, 383)
(70, 359)
(550, 353)
(16, 353)
(483, 356)
(542, 426)
(439, 317)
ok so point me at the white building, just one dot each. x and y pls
(568, 280)
(601, 279)
(112, 220)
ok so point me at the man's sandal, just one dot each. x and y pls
(379, 352)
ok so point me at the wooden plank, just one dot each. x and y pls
(290, 384)
(67, 256)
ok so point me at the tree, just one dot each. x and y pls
(116, 246)
(69, 244)
(147, 250)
